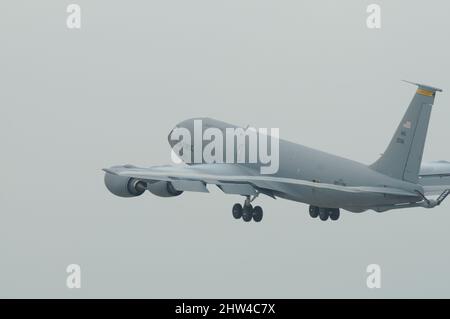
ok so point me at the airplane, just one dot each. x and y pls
(327, 183)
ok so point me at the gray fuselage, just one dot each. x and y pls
(304, 163)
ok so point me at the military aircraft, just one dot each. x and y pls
(328, 183)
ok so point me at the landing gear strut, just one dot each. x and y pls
(324, 213)
(248, 212)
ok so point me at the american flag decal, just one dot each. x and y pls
(407, 124)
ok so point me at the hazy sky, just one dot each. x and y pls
(75, 101)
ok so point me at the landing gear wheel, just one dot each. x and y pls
(323, 214)
(313, 211)
(237, 211)
(257, 214)
(334, 214)
(247, 213)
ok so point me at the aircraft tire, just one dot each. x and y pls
(237, 211)
(313, 211)
(257, 214)
(334, 214)
(247, 213)
(323, 214)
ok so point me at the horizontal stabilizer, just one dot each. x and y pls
(434, 176)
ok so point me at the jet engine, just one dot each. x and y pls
(163, 189)
(124, 186)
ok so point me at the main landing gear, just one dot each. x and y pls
(247, 212)
(324, 213)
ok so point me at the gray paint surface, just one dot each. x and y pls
(75, 101)
(306, 175)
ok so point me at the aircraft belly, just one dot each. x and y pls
(339, 199)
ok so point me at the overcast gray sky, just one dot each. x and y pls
(75, 101)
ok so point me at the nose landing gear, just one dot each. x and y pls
(247, 212)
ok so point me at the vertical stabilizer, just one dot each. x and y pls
(403, 156)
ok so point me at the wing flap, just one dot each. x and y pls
(238, 189)
(190, 186)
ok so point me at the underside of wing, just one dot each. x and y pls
(236, 179)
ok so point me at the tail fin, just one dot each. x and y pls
(403, 156)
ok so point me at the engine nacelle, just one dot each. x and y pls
(163, 189)
(124, 186)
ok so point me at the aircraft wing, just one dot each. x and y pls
(236, 179)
